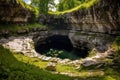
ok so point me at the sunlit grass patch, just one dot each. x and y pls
(12, 69)
(33, 61)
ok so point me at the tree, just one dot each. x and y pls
(43, 5)
(34, 3)
(68, 4)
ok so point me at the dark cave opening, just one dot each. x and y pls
(59, 43)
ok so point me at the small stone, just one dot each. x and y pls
(51, 66)
(55, 60)
(87, 63)
(47, 58)
(64, 61)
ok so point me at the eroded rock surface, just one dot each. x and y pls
(12, 12)
(95, 27)
(87, 28)
(25, 45)
(21, 44)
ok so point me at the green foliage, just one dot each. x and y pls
(116, 46)
(85, 5)
(65, 6)
(62, 54)
(116, 55)
(12, 69)
(42, 5)
(19, 67)
(68, 4)
(70, 55)
(92, 53)
(111, 74)
(30, 7)
(54, 53)
(66, 68)
(117, 40)
(15, 28)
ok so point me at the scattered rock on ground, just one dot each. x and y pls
(51, 66)
(87, 63)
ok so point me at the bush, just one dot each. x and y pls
(54, 53)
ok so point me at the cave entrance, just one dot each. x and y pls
(60, 46)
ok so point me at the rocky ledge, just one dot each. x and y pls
(25, 45)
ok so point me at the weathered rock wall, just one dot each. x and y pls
(95, 27)
(103, 17)
(11, 11)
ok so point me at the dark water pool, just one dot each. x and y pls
(61, 45)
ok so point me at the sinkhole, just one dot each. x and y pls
(60, 46)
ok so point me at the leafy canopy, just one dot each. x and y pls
(64, 6)
(42, 5)
(68, 4)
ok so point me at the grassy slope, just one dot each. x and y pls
(18, 67)
(12, 69)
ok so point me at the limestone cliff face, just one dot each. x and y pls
(103, 17)
(95, 27)
(11, 11)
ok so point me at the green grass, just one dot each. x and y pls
(92, 53)
(12, 69)
(14, 27)
(14, 66)
(33, 61)
(42, 64)
(84, 5)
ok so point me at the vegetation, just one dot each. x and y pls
(12, 69)
(15, 66)
(116, 56)
(42, 5)
(62, 54)
(92, 53)
(30, 7)
(17, 27)
(116, 47)
(116, 44)
(84, 5)
(69, 4)
(54, 53)
(64, 6)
